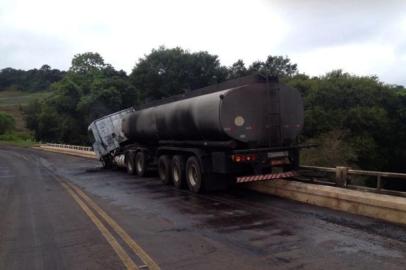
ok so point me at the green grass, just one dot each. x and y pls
(11, 102)
(16, 97)
(17, 138)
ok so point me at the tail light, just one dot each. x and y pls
(243, 157)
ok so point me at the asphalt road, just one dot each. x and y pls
(63, 212)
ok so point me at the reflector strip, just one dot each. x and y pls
(262, 177)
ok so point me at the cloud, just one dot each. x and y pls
(363, 36)
(319, 23)
(22, 49)
(126, 30)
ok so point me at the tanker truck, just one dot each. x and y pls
(240, 130)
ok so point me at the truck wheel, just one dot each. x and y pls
(194, 177)
(106, 163)
(140, 164)
(129, 164)
(164, 169)
(178, 171)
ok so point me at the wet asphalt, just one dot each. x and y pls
(42, 227)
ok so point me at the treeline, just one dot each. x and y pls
(29, 80)
(356, 120)
(165, 72)
(92, 88)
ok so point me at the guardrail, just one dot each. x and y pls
(74, 150)
(345, 177)
(67, 146)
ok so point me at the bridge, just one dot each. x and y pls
(62, 211)
(317, 186)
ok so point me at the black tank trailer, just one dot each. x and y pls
(253, 113)
(244, 129)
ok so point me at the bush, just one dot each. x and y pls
(332, 150)
(7, 123)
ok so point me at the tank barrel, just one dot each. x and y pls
(240, 110)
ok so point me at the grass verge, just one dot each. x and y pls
(13, 101)
(17, 138)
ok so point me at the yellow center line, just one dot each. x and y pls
(122, 254)
(152, 265)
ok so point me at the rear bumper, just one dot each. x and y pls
(261, 162)
(273, 149)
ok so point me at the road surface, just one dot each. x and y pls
(63, 212)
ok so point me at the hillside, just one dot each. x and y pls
(11, 101)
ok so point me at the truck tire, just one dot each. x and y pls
(140, 164)
(178, 171)
(106, 163)
(164, 169)
(194, 177)
(129, 164)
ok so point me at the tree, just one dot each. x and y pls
(10, 78)
(333, 150)
(89, 90)
(87, 62)
(29, 80)
(276, 66)
(368, 111)
(45, 68)
(166, 72)
(237, 70)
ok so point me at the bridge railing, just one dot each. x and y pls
(350, 178)
(67, 146)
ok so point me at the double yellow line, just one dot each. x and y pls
(81, 198)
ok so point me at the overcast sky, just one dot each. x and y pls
(365, 37)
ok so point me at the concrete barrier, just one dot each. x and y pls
(380, 206)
